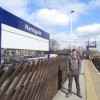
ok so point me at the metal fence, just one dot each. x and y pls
(33, 81)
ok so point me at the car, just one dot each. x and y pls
(9, 60)
(34, 56)
(51, 55)
(33, 59)
(18, 60)
(30, 59)
(2, 62)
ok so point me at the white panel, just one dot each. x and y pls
(17, 39)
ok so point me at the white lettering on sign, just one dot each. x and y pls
(30, 29)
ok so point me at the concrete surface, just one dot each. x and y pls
(92, 81)
(61, 95)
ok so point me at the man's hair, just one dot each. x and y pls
(73, 50)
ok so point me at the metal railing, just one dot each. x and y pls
(33, 81)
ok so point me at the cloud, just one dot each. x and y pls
(56, 13)
(49, 13)
(17, 7)
(52, 14)
(89, 30)
(51, 17)
(65, 40)
(64, 5)
(94, 4)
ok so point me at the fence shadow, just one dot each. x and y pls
(65, 90)
(59, 77)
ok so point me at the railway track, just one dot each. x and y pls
(96, 63)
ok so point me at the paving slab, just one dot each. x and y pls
(61, 95)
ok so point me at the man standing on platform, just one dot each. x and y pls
(74, 68)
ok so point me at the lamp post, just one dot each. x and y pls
(71, 28)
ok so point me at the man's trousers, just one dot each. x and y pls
(76, 77)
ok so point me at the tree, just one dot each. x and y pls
(54, 45)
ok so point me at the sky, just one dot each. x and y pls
(54, 17)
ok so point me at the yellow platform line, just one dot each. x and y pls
(90, 89)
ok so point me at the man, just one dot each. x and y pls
(74, 68)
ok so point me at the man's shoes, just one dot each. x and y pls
(79, 94)
(69, 94)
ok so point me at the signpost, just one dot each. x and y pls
(90, 45)
(15, 33)
(0, 34)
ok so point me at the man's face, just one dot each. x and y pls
(74, 53)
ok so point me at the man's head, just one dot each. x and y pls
(74, 52)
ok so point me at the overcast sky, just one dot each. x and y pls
(53, 16)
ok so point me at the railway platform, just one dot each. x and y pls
(89, 83)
